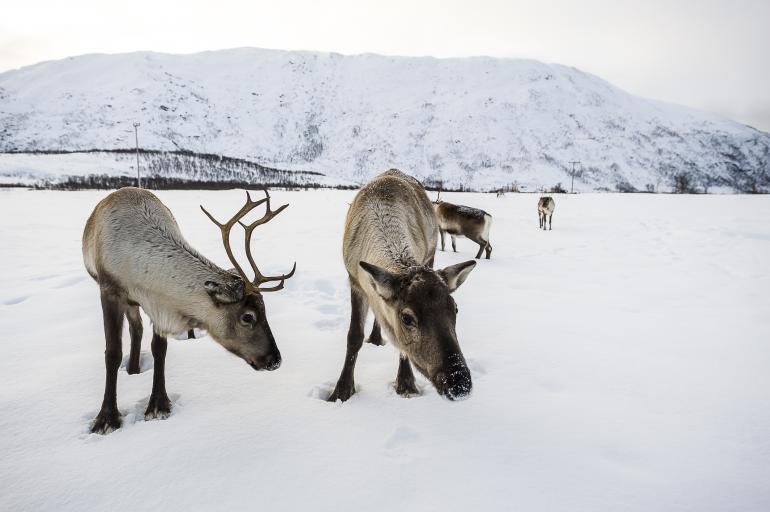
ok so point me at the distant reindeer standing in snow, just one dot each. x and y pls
(466, 221)
(545, 207)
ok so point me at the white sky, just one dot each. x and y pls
(711, 55)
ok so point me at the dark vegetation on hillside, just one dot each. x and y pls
(183, 169)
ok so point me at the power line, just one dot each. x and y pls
(572, 184)
(138, 176)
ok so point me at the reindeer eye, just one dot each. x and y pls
(248, 319)
(407, 319)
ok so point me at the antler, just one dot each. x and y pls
(236, 219)
(258, 277)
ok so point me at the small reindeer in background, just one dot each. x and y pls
(134, 250)
(458, 220)
(545, 208)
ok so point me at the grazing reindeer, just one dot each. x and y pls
(545, 208)
(388, 249)
(471, 223)
(134, 250)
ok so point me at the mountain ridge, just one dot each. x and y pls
(476, 122)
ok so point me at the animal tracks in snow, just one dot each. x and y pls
(400, 442)
(146, 362)
(322, 391)
(129, 417)
(324, 297)
(14, 300)
(44, 284)
(70, 281)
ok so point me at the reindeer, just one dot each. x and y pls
(457, 220)
(545, 208)
(388, 248)
(133, 248)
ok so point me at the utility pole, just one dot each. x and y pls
(572, 184)
(138, 176)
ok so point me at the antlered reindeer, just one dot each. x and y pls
(545, 207)
(134, 250)
(388, 249)
(457, 220)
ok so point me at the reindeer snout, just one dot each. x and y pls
(455, 383)
(269, 362)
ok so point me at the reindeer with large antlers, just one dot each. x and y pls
(133, 248)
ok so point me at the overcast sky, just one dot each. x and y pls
(711, 55)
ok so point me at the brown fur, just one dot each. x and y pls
(388, 249)
(466, 221)
(545, 207)
(133, 248)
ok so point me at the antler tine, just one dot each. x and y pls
(279, 286)
(260, 278)
(227, 226)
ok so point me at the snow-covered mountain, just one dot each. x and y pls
(474, 122)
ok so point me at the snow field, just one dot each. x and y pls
(619, 363)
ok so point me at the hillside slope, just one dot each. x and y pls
(474, 122)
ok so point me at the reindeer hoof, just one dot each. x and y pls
(106, 422)
(133, 369)
(159, 408)
(342, 393)
(407, 389)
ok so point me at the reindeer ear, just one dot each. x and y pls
(455, 275)
(225, 293)
(385, 283)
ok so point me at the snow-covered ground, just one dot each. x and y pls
(620, 362)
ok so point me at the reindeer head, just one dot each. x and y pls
(420, 317)
(242, 326)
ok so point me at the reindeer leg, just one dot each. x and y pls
(136, 330)
(113, 309)
(442, 232)
(345, 387)
(550, 222)
(159, 405)
(482, 245)
(488, 250)
(375, 338)
(405, 385)
(454, 242)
